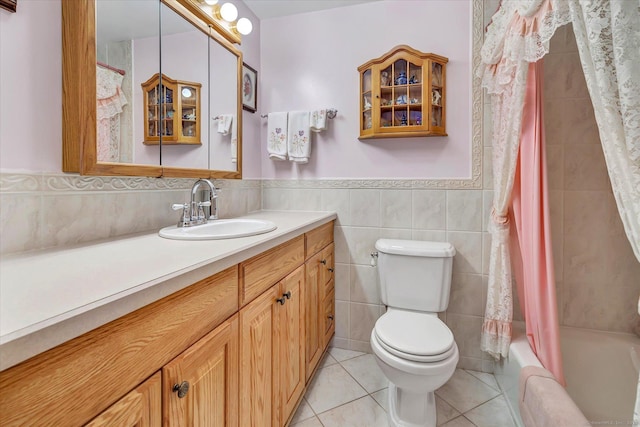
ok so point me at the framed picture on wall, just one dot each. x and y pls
(10, 5)
(249, 88)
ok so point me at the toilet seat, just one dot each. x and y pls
(419, 337)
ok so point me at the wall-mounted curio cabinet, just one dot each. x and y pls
(402, 94)
(172, 109)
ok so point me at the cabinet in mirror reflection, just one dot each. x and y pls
(118, 121)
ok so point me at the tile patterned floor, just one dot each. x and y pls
(349, 390)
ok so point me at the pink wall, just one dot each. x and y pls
(31, 88)
(250, 47)
(304, 62)
(310, 61)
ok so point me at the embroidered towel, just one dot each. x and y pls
(318, 120)
(234, 140)
(298, 141)
(224, 123)
(277, 136)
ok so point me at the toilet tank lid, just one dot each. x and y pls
(416, 248)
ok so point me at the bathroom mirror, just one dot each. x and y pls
(111, 48)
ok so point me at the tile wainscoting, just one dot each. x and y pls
(40, 211)
(405, 209)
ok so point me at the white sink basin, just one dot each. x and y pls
(219, 229)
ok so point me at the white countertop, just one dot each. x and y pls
(49, 297)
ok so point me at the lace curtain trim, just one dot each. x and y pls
(496, 337)
(519, 31)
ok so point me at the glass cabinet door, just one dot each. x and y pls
(401, 94)
(167, 111)
(188, 103)
(153, 112)
(367, 99)
(437, 94)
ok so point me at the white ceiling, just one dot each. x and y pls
(265, 9)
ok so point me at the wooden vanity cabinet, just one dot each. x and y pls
(78, 380)
(230, 350)
(272, 364)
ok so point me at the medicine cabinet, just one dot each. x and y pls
(111, 55)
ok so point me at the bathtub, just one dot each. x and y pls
(600, 369)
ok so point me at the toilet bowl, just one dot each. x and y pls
(413, 347)
(417, 354)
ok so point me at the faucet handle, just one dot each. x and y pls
(184, 207)
(202, 204)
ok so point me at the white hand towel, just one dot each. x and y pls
(318, 120)
(298, 138)
(234, 141)
(277, 136)
(224, 123)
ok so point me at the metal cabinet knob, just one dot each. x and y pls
(281, 300)
(287, 295)
(331, 270)
(181, 389)
(324, 262)
(330, 317)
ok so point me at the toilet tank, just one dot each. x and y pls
(415, 275)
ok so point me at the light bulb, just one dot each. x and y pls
(244, 26)
(211, 2)
(228, 12)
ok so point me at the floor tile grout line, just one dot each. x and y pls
(354, 378)
(490, 385)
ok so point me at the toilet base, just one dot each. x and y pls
(411, 409)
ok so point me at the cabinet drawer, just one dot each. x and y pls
(260, 272)
(318, 239)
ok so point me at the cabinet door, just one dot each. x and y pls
(313, 285)
(292, 351)
(139, 408)
(259, 337)
(210, 368)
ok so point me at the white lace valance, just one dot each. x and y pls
(519, 31)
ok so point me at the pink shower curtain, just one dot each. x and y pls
(533, 266)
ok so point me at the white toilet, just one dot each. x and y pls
(412, 346)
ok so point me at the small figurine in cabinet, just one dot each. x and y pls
(435, 95)
(367, 103)
(384, 78)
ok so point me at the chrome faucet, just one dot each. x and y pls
(193, 212)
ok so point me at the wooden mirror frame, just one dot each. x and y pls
(79, 99)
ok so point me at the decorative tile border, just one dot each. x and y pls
(450, 184)
(37, 182)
